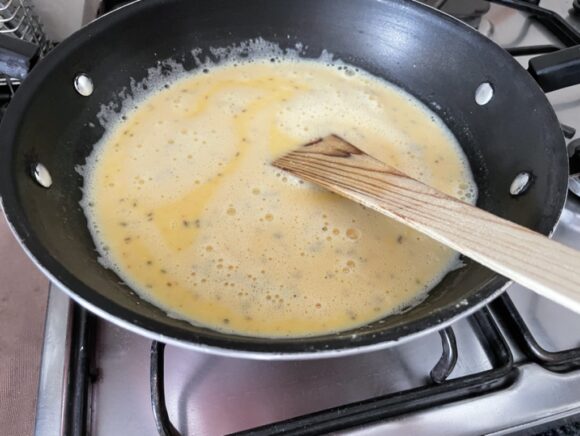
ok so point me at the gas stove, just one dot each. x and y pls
(512, 368)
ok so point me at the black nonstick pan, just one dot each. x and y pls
(495, 108)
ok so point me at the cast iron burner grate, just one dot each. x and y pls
(469, 11)
(438, 391)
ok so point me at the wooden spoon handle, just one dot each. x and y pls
(545, 266)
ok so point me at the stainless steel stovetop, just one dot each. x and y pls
(208, 394)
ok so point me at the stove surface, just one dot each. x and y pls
(207, 394)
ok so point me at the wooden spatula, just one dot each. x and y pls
(547, 267)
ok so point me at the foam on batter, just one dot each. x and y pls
(184, 206)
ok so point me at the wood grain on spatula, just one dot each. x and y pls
(545, 266)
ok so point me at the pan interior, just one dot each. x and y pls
(49, 122)
(255, 252)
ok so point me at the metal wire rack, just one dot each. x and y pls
(17, 19)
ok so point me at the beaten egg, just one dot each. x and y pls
(184, 205)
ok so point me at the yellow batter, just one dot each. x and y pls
(184, 205)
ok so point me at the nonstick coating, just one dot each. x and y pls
(431, 55)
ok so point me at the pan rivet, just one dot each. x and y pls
(41, 175)
(84, 85)
(484, 93)
(521, 183)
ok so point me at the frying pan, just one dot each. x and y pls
(436, 58)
